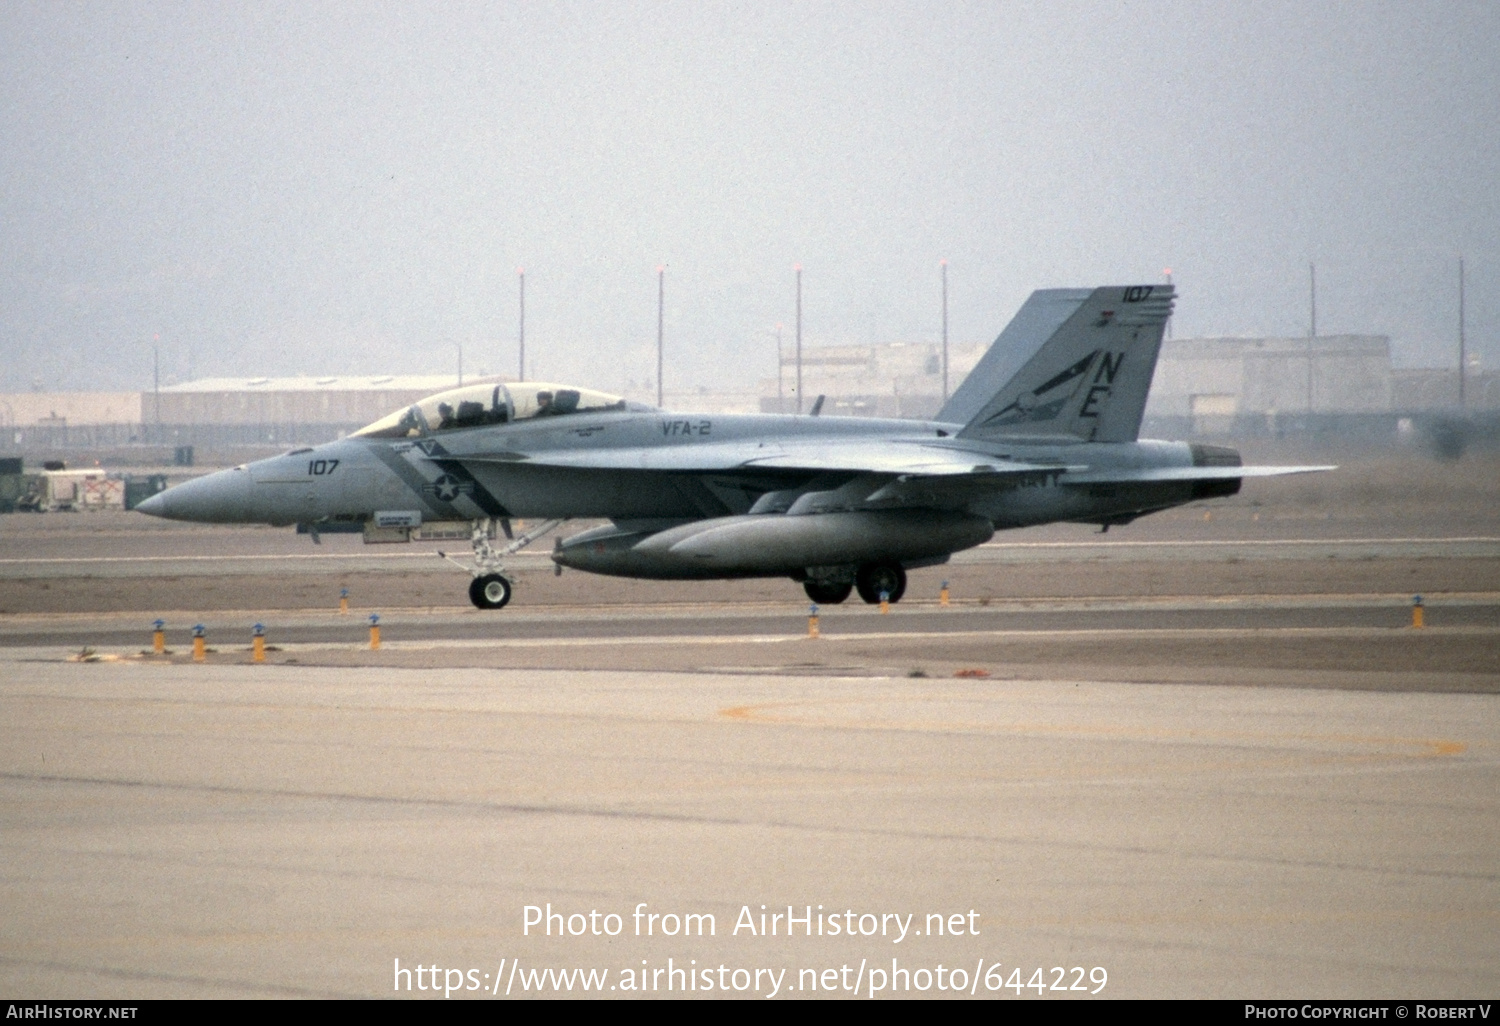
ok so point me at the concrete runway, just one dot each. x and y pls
(181, 830)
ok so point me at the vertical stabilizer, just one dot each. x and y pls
(1040, 316)
(1087, 381)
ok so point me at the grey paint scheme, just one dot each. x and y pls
(1038, 319)
(1044, 429)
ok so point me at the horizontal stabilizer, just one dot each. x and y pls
(1151, 475)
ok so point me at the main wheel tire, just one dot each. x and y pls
(489, 592)
(827, 593)
(875, 578)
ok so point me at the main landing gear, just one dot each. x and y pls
(490, 588)
(871, 580)
(874, 580)
(827, 593)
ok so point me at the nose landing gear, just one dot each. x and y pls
(490, 588)
(489, 591)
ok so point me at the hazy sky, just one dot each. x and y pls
(320, 188)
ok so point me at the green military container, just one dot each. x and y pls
(12, 482)
(139, 489)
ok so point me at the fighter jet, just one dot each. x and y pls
(1043, 429)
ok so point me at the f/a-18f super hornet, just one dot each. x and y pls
(1043, 429)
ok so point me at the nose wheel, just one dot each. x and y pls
(489, 591)
(873, 579)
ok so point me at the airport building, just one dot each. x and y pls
(1203, 387)
(894, 379)
(64, 419)
(1273, 386)
(300, 410)
(214, 411)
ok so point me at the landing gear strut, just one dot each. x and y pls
(491, 589)
(875, 579)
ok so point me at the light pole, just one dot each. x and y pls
(780, 399)
(521, 276)
(1462, 370)
(1168, 272)
(944, 265)
(661, 295)
(1312, 331)
(156, 383)
(798, 269)
(1312, 300)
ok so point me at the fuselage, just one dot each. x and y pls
(498, 471)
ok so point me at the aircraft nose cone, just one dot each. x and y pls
(214, 498)
(156, 506)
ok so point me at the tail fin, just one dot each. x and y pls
(1079, 363)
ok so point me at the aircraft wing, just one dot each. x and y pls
(701, 457)
(939, 473)
(897, 459)
(863, 456)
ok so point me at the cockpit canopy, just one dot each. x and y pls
(478, 405)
